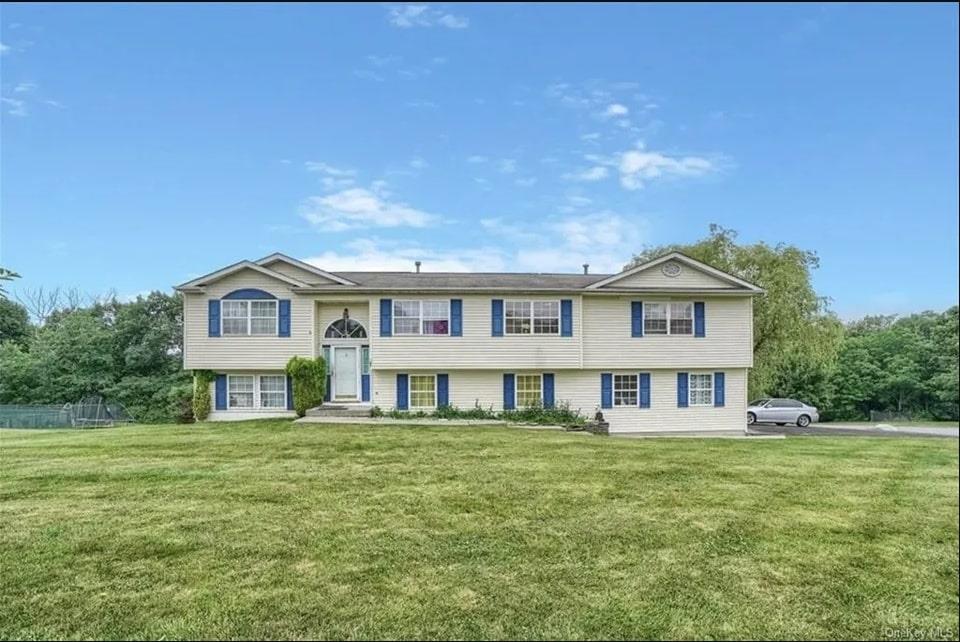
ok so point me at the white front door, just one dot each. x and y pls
(345, 373)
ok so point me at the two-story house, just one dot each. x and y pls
(662, 347)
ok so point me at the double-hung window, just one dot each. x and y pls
(668, 318)
(429, 317)
(531, 317)
(257, 318)
(423, 391)
(626, 389)
(240, 390)
(701, 390)
(273, 391)
(257, 391)
(529, 390)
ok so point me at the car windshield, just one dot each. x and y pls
(759, 402)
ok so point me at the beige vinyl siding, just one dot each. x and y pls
(607, 342)
(298, 273)
(477, 348)
(654, 278)
(220, 353)
(581, 388)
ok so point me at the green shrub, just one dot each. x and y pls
(201, 393)
(561, 414)
(309, 382)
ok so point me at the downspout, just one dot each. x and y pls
(583, 319)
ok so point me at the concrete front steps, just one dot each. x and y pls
(341, 410)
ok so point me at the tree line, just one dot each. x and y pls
(67, 346)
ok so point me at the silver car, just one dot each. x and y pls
(781, 412)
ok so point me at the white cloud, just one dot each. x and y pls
(477, 159)
(4, 48)
(366, 74)
(592, 174)
(16, 107)
(418, 163)
(361, 208)
(591, 137)
(637, 167)
(507, 165)
(616, 109)
(25, 88)
(421, 15)
(329, 170)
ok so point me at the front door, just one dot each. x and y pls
(345, 373)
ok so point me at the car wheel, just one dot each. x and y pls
(803, 421)
(751, 419)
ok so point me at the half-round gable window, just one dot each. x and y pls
(249, 294)
(345, 328)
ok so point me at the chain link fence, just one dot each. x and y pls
(90, 412)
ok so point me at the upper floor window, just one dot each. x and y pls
(411, 317)
(668, 318)
(531, 317)
(256, 317)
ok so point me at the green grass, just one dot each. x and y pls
(267, 529)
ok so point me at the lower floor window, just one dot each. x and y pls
(273, 391)
(701, 389)
(423, 391)
(253, 391)
(529, 391)
(625, 390)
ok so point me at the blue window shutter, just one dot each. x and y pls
(289, 392)
(386, 317)
(566, 317)
(682, 395)
(548, 390)
(403, 398)
(606, 390)
(636, 318)
(213, 318)
(644, 400)
(699, 320)
(283, 318)
(365, 387)
(496, 317)
(220, 397)
(508, 392)
(443, 390)
(719, 394)
(456, 317)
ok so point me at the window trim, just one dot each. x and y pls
(613, 389)
(249, 318)
(669, 317)
(516, 388)
(410, 405)
(420, 318)
(257, 401)
(713, 389)
(533, 317)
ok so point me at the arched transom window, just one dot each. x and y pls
(345, 328)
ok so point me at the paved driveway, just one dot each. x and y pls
(854, 431)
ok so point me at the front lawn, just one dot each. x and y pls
(269, 529)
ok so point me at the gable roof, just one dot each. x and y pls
(357, 281)
(277, 256)
(236, 267)
(679, 257)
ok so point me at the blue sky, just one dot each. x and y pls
(143, 145)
